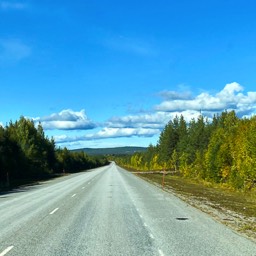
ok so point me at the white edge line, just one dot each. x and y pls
(6, 250)
(74, 195)
(55, 210)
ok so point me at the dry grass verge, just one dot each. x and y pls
(232, 208)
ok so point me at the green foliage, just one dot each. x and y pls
(220, 151)
(197, 168)
(12, 158)
(27, 154)
(71, 161)
(214, 159)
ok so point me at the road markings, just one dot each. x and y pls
(141, 216)
(55, 210)
(6, 250)
(151, 236)
(82, 187)
(145, 224)
(74, 195)
(160, 252)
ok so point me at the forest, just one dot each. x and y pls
(222, 150)
(27, 154)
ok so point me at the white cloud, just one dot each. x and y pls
(66, 120)
(13, 50)
(122, 132)
(231, 97)
(130, 126)
(202, 101)
(153, 120)
(150, 124)
(107, 133)
(156, 120)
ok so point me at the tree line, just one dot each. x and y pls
(220, 151)
(26, 153)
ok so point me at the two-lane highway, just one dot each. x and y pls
(109, 211)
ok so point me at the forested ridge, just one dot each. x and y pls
(221, 151)
(26, 153)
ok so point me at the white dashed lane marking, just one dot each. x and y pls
(6, 250)
(55, 210)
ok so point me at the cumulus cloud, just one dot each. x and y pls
(122, 132)
(66, 120)
(230, 98)
(156, 120)
(147, 125)
(107, 133)
(153, 121)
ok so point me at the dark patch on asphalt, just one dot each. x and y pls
(181, 218)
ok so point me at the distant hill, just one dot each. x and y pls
(112, 151)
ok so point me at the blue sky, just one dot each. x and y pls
(107, 73)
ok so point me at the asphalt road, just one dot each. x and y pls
(109, 211)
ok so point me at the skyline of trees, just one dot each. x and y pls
(27, 154)
(221, 151)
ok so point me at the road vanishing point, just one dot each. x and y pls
(108, 211)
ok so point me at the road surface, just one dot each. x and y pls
(109, 211)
